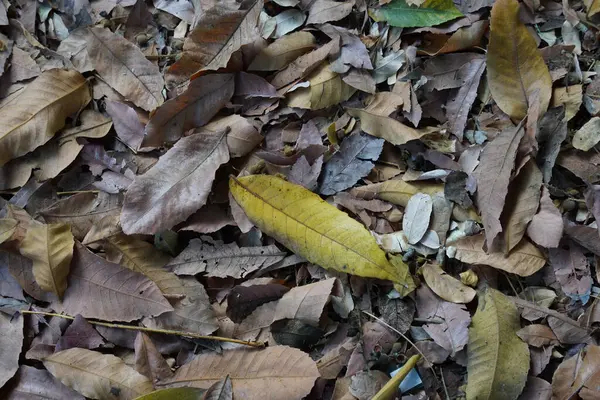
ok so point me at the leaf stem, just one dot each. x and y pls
(153, 330)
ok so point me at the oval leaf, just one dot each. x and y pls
(312, 228)
(431, 12)
(416, 217)
(498, 361)
(445, 286)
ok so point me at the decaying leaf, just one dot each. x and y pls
(446, 286)
(310, 224)
(498, 361)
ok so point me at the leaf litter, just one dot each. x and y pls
(357, 185)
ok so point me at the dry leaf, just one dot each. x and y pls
(571, 97)
(277, 372)
(11, 343)
(283, 51)
(97, 375)
(579, 373)
(221, 390)
(416, 217)
(516, 68)
(242, 137)
(588, 135)
(243, 300)
(326, 88)
(148, 361)
(546, 227)
(40, 110)
(305, 303)
(322, 11)
(537, 335)
(30, 382)
(176, 186)
(446, 286)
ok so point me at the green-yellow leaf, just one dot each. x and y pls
(312, 228)
(183, 393)
(7, 228)
(516, 69)
(446, 286)
(326, 89)
(497, 359)
(50, 247)
(430, 13)
(97, 375)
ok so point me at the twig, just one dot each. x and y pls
(388, 392)
(152, 330)
(527, 304)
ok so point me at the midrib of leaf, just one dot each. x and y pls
(122, 63)
(259, 197)
(37, 112)
(63, 138)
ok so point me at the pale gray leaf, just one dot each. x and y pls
(416, 217)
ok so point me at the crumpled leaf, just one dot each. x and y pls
(50, 247)
(498, 361)
(218, 259)
(578, 374)
(515, 67)
(11, 343)
(546, 227)
(97, 375)
(493, 176)
(219, 32)
(524, 260)
(352, 51)
(103, 290)
(416, 217)
(195, 107)
(312, 228)
(352, 162)
(125, 68)
(39, 111)
(176, 186)
(277, 372)
(432, 12)
(326, 89)
(572, 271)
(446, 286)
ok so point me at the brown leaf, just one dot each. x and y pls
(103, 290)
(79, 334)
(536, 389)
(572, 271)
(375, 334)
(277, 372)
(148, 361)
(322, 11)
(333, 361)
(39, 111)
(493, 176)
(32, 383)
(219, 32)
(221, 390)
(11, 342)
(283, 51)
(243, 136)
(195, 107)
(127, 123)
(446, 286)
(546, 227)
(537, 335)
(552, 130)
(584, 235)
(568, 331)
(176, 187)
(305, 303)
(243, 300)
(579, 373)
(210, 218)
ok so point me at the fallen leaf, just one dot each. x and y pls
(221, 390)
(79, 334)
(322, 11)
(125, 68)
(583, 235)
(578, 374)
(148, 361)
(219, 32)
(546, 227)
(40, 110)
(416, 217)
(396, 191)
(431, 12)
(97, 375)
(183, 393)
(195, 107)
(498, 361)
(446, 286)
(571, 97)
(176, 186)
(288, 20)
(182, 9)
(587, 136)
(512, 77)
(32, 382)
(242, 138)
(103, 290)
(351, 163)
(222, 260)
(277, 372)
(552, 131)
(127, 123)
(572, 271)
(305, 303)
(493, 176)
(11, 343)
(536, 389)
(243, 300)
(350, 248)
(50, 247)
(524, 260)
(537, 335)
(366, 384)
(326, 88)
(283, 51)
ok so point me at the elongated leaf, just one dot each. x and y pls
(277, 372)
(396, 191)
(97, 375)
(176, 186)
(525, 259)
(222, 260)
(104, 290)
(50, 247)
(416, 217)
(521, 205)
(196, 106)
(430, 13)
(312, 228)
(142, 257)
(493, 176)
(322, 11)
(218, 34)
(445, 286)
(283, 51)
(498, 361)
(125, 68)
(11, 343)
(516, 68)
(326, 89)
(39, 111)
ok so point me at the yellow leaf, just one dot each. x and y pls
(7, 228)
(445, 286)
(283, 51)
(50, 247)
(312, 228)
(396, 191)
(515, 66)
(326, 89)
(524, 260)
(183, 393)
(35, 116)
(97, 375)
(497, 360)
(571, 97)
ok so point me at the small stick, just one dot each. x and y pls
(151, 330)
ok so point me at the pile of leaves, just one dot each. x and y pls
(291, 198)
